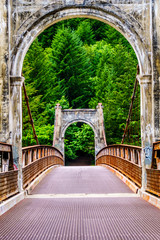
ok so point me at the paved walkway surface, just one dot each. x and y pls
(81, 203)
(65, 180)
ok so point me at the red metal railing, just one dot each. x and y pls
(127, 159)
(38, 158)
(35, 160)
(124, 158)
(8, 176)
(127, 152)
(153, 175)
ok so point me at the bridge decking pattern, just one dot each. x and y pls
(109, 218)
(65, 180)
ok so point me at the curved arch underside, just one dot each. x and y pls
(76, 121)
(51, 14)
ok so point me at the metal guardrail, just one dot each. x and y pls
(127, 160)
(32, 153)
(124, 158)
(35, 160)
(127, 152)
(153, 175)
(153, 181)
(38, 158)
(8, 184)
(8, 176)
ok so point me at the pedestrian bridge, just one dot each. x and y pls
(93, 202)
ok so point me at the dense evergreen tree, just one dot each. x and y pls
(71, 68)
(116, 78)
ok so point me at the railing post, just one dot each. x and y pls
(34, 154)
(42, 152)
(29, 156)
(126, 153)
(46, 151)
(16, 124)
(131, 154)
(39, 153)
(119, 152)
(139, 158)
(23, 159)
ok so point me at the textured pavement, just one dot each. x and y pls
(117, 216)
(64, 180)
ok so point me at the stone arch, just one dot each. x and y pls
(92, 117)
(79, 120)
(53, 13)
(139, 26)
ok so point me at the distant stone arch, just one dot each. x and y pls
(92, 117)
(79, 120)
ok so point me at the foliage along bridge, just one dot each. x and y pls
(94, 213)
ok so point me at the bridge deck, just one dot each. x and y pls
(59, 209)
(65, 180)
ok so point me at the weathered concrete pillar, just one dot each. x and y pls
(1, 86)
(57, 142)
(16, 123)
(4, 72)
(102, 135)
(146, 124)
(100, 138)
(155, 34)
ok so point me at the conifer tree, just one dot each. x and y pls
(72, 68)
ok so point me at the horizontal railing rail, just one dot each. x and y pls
(32, 153)
(153, 181)
(127, 160)
(8, 176)
(38, 158)
(153, 175)
(124, 158)
(127, 152)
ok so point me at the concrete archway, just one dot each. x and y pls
(54, 13)
(92, 117)
(111, 14)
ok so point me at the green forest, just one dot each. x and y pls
(79, 63)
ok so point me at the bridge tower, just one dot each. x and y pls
(93, 117)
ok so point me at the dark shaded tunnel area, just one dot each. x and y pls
(83, 159)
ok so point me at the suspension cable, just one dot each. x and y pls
(30, 114)
(131, 106)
